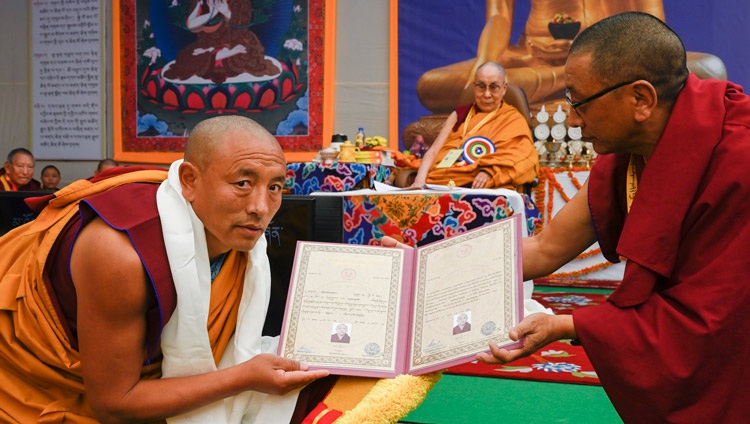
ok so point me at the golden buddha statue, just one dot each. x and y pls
(536, 63)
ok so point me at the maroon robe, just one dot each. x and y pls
(141, 222)
(671, 344)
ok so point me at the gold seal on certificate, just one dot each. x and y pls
(488, 328)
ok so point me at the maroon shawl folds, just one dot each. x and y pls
(671, 344)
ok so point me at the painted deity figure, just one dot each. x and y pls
(225, 46)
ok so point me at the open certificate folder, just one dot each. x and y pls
(380, 312)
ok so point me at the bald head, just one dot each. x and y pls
(105, 164)
(207, 137)
(233, 176)
(494, 66)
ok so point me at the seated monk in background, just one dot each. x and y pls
(483, 145)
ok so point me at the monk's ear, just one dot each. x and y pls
(645, 100)
(189, 175)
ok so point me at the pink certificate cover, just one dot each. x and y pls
(380, 312)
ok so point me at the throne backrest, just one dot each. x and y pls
(516, 97)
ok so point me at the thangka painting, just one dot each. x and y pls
(182, 61)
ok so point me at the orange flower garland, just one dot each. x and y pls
(547, 177)
(577, 184)
(582, 271)
(589, 253)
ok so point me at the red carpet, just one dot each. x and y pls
(558, 362)
(577, 282)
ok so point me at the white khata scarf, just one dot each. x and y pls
(184, 341)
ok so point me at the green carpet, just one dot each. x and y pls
(468, 400)
(457, 399)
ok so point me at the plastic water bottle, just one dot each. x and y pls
(359, 140)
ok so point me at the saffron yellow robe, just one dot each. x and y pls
(40, 372)
(514, 163)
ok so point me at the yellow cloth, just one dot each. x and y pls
(390, 399)
(514, 162)
(7, 184)
(40, 373)
(226, 293)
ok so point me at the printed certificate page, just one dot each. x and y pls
(347, 307)
(467, 295)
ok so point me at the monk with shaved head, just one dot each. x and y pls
(146, 293)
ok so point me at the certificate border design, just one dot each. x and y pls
(387, 361)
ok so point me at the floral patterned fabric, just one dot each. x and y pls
(307, 177)
(558, 362)
(419, 219)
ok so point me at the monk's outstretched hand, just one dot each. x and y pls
(275, 375)
(537, 331)
(388, 241)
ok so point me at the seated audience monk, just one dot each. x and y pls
(18, 172)
(667, 192)
(105, 164)
(483, 145)
(50, 178)
(134, 251)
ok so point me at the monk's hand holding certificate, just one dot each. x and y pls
(380, 312)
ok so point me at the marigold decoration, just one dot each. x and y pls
(547, 176)
(589, 253)
(581, 272)
(544, 198)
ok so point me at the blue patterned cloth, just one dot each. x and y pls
(307, 177)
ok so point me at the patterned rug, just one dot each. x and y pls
(577, 282)
(563, 303)
(558, 362)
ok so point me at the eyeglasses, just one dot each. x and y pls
(576, 105)
(494, 87)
